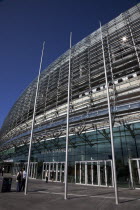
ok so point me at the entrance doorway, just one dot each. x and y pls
(55, 171)
(96, 173)
(134, 168)
(32, 170)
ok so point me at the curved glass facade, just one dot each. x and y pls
(89, 140)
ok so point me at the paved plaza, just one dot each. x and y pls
(46, 196)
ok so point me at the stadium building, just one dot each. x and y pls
(90, 156)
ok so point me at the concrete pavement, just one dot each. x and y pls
(50, 196)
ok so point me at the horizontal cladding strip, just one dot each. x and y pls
(77, 103)
(78, 118)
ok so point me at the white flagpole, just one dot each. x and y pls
(33, 120)
(67, 131)
(110, 123)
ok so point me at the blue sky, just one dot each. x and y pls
(25, 24)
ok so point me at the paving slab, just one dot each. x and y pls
(50, 196)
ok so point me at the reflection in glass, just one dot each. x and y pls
(83, 173)
(77, 172)
(109, 173)
(102, 173)
(95, 178)
(89, 173)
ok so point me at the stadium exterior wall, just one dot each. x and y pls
(90, 159)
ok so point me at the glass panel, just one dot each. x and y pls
(95, 177)
(62, 166)
(54, 166)
(51, 166)
(44, 167)
(109, 173)
(139, 169)
(44, 171)
(32, 174)
(58, 166)
(35, 166)
(135, 174)
(62, 177)
(89, 173)
(77, 172)
(47, 166)
(49, 172)
(102, 173)
(58, 175)
(30, 170)
(54, 177)
(62, 173)
(35, 170)
(83, 173)
(26, 167)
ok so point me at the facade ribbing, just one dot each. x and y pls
(89, 139)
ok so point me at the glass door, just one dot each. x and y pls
(89, 172)
(102, 173)
(34, 170)
(58, 172)
(30, 170)
(96, 173)
(109, 173)
(43, 171)
(16, 168)
(62, 172)
(55, 171)
(77, 172)
(134, 168)
(82, 172)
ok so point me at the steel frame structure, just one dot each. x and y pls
(88, 102)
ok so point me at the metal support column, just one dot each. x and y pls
(110, 122)
(130, 171)
(33, 121)
(67, 132)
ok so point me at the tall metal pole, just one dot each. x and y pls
(33, 121)
(110, 123)
(67, 131)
